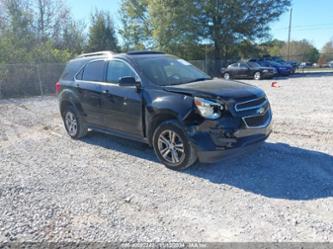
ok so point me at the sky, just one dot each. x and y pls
(312, 19)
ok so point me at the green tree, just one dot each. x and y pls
(327, 52)
(224, 24)
(301, 50)
(136, 25)
(28, 26)
(272, 47)
(101, 33)
(52, 16)
(73, 37)
(17, 33)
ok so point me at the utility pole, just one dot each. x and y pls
(289, 31)
(206, 58)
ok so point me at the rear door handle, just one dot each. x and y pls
(78, 88)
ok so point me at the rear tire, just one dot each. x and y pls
(172, 147)
(74, 123)
(226, 76)
(257, 76)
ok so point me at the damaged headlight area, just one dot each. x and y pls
(208, 108)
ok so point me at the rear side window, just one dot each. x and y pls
(80, 74)
(94, 71)
(71, 69)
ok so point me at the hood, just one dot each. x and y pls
(218, 88)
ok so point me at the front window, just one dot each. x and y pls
(170, 70)
(242, 65)
(117, 70)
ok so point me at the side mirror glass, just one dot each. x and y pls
(127, 81)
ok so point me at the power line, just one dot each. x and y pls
(310, 26)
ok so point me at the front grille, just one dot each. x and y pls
(258, 121)
(251, 104)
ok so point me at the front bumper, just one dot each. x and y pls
(240, 147)
(229, 136)
(268, 75)
(284, 72)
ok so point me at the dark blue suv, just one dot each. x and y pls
(163, 101)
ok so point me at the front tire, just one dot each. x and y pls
(74, 123)
(172, 146)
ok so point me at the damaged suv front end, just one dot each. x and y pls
(226, 119)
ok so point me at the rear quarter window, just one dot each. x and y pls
(71, 69)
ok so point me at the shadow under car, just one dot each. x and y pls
(275, 170)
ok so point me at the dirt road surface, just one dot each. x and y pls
(103, 188)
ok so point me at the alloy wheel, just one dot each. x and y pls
(71, 123)
(171, 147)
(226, 76)
(257, 76)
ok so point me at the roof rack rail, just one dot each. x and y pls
(100, 53)
(144, 52)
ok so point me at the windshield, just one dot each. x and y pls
(169, 70)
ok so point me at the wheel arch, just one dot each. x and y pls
(68, 98)
(157, 119)
(163, 105)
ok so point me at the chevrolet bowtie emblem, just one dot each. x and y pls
(261, 110)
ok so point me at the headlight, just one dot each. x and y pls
(208, 109)
(265, 71)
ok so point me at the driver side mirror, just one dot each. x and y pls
(129, 81)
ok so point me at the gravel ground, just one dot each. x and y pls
(109, 189)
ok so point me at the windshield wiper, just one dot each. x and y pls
(198, 79)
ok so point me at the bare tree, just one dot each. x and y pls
(52, 18)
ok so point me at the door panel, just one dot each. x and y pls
(243, 70)
(90, 99)
(233, 70)
(121, 106)
(89, 88)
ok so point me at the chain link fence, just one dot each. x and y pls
(211, 67)
(24, 80)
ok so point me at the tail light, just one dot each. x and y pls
(57, 87)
